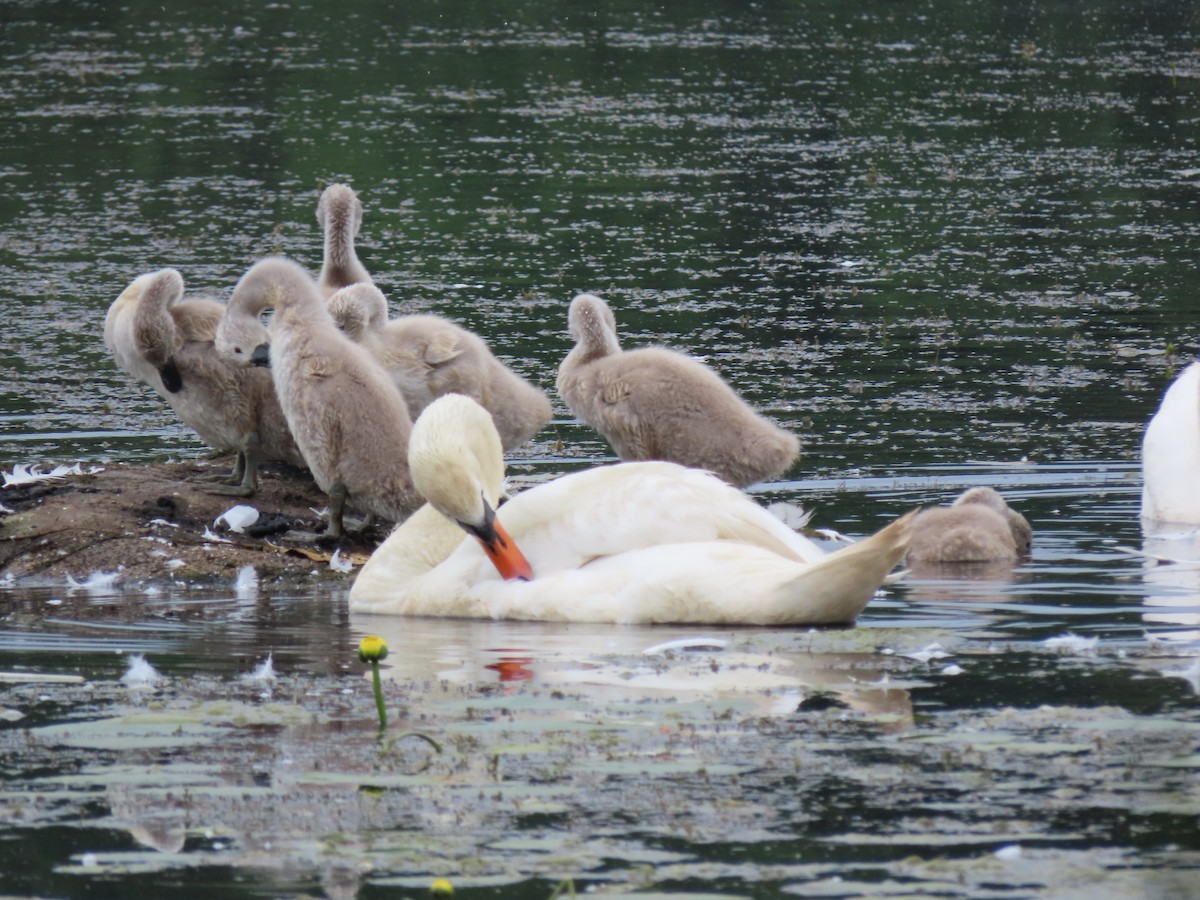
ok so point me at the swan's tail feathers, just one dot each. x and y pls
(836, 589)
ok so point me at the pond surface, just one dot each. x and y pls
(947, 245)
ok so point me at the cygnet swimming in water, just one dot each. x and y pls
(167, 342)
(1171, 454)
(349, 420)
(428, 356)
(340, 214)
(978, 527)
(655, 403)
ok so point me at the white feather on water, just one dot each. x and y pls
(246, 586)
(696, 643)
(1072, 643)
(96, 583)
(1191, 674)
(140, 673)
(927, 653)
(263, 672)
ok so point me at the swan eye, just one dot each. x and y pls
(237, 350)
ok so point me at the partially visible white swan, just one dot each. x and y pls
(1171, 454)
(349, 421)
(167, 342)
(340, 214)
(978, 527)
(647, 542)
(655, 403)
(428, 356)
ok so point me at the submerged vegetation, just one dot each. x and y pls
(614, 768)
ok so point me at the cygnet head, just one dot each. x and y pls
(592, 324)
(133, 291)
(1022, 533)
(156, 293)
(457, 464)
(984, 496)
(166, 285)
(242, 338)
(358, 309)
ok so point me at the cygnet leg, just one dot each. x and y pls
(245, 472)
(337, 508)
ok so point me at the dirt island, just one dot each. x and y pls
(158, 521)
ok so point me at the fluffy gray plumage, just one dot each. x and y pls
(167, 342)
(655, 403)
(428, 356)
(349, 420)
(978, 527)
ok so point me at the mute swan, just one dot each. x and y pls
(642, 542)
(340, 214)
(1171, 454)
(428, 356)
(655, 403)
(978, 527)
(350, 422)
(167, 342)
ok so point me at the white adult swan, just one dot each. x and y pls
(645, 542)
(349, 421)
(167, 341)
(428, 356)
(1171, 454)
(655, 403)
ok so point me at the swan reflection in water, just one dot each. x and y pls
(763, 672)
(1172, 579)
(448, 676)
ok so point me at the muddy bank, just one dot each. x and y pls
(156, 521)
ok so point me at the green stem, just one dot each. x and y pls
(379, 697)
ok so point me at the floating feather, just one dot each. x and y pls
(140, 673)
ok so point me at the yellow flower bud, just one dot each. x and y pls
(441, 887)
(372, 649)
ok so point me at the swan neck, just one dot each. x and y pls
(596, 340)
(340, 232)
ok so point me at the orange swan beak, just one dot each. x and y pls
(509, 561)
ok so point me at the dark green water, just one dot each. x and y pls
(934, 239)
(917, 233)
